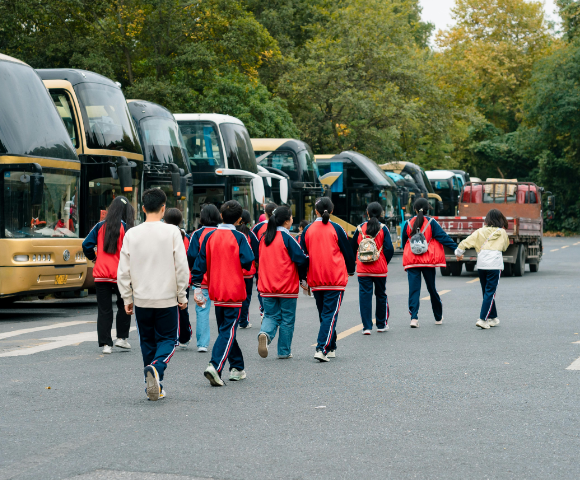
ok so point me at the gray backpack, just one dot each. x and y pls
(418, 242)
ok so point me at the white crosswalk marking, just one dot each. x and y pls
(39, 329)
(575, 365)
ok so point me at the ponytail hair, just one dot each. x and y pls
(119, 211)
(325, 207)
(375, 212)
(278, 218)
(270, 207)
(421, 206)
(244, 227)
(173, 216)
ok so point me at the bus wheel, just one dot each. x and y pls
(456, 269)
(520, 265)
(445, 271)
(469, 267)
(508, 270)
(534, 267)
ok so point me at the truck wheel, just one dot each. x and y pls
(456, 269)
(534, 267)
(445, 271)
(508, 270)
(469, 267)
(520, 265)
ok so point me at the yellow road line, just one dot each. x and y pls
(350, 331)
(473, 281)
(442, 292)
(555, 250)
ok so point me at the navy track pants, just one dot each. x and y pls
(245, 313)
(226, 346)
(185, 331)
(489, 280)
(328, 304)
(365, 298)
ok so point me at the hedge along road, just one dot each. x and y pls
(448, 401)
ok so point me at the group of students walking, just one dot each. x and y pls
(152, 266)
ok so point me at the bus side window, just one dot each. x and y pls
(65, 110)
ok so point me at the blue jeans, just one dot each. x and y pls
(365, 298)
(279, 313)
(202, 322)
(328, 305)
(489, 280)
(226, 346)
(414, 277)
(245, 314)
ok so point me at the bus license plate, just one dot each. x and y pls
(60, 279)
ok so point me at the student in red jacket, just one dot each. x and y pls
(373, 273)
(331, 263)
(244, 228)
(301, 226)
(173, 216)
(259, 230)
(224, 254)
(209, 219)
(282, 264)
(426, 263)
(107, 236)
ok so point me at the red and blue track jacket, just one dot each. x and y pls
(436, 238)
(282, 265)
(195, 243)
(330, 254)
(260, 228)
(378, 268)
(254, 245)
(105, 269)
(224, 253)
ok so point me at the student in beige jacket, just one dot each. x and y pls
(153, 277)
(489, 243)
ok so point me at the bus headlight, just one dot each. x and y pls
(21, 258)
(34, 258)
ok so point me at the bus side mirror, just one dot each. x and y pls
(124, 174)
(551, 202)
(284, 191)
(404, 196)
(36, 188)
(440, 206)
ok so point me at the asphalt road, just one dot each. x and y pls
(450, 401)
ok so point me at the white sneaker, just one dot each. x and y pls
(319, 355)
(384, 329)
(439, 322)
(331, 354)
(493, 322)
(366, 332)
(153, 388)
(107, 349)
(249, 325)
(184, 346)
(213, 376)
(122, 343)
(236, 375)
(202, 349)
(263, 345)
(284, 357)
(482, 323)
(415, 323)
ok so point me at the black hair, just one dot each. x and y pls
(231, 211)
(173, 216)
(210, 216)
(279, 216)
(119, 210)
(303, 224)
(495, 218)
(153, 199)
(421, 207)
(325, 207)
(375, 212)
(270, 207)
(244, 227)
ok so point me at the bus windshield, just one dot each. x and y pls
(308, 165)
(57, 216)
(202, 143)
(29, 122)
(238, 145)
(106, 118)
(162, 141)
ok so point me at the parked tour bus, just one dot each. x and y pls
(447, 185)
(418, 184)
(361, 182)
(40, 248)
(294, 160)
(165, 158)
(222, 162)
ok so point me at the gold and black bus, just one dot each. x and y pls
(40, 248)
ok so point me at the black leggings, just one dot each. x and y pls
(105, 292)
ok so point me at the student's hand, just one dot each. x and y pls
(182, 306)
(351, 274)
(198, 302)
(304, 285)
(459, 259)
(129, 309)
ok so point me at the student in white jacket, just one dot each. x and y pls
(489, 242)
(153, 276)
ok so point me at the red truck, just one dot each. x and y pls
(520, 202)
